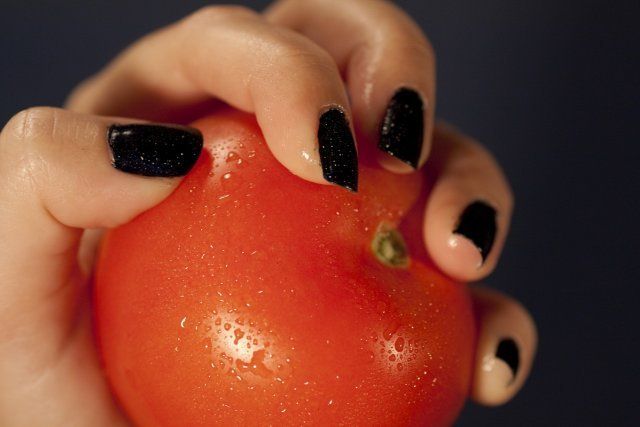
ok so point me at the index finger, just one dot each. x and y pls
(231, 53)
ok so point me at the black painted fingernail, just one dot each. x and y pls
(508, 351)
(478, 224)
(154, 150)
(402, 129)
(338, 155)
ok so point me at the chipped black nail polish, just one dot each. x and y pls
(478, 224)
(402, 128)
(338, 155)
(154, 150)
(508, 351)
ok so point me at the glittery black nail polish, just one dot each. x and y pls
(402, 128)
(508, 351)
(154, 150)
(338, 155)
(478, 224)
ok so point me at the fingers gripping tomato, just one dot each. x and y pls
(252, 297)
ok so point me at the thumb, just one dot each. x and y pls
(62, 172)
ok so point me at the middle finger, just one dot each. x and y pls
(389, 66)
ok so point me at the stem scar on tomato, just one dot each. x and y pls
(389, 247)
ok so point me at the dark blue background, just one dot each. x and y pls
(552, 87)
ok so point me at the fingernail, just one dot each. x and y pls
(508, 351)
(338, 155)
(154, 150)
(402, 129)
(478, 224)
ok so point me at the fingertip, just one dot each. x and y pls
(506, 347)
(402, 130)
(469, 208)
(393, 164)
(463, 242)
(337, 149)
(324, 151)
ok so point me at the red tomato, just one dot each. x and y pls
(252, 297)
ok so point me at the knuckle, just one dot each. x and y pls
(412, 45)
(80, 97)
(21, 153)
(298, 56)
(489, 166)
(208, 15)
(29, 125)
(403, 32)
(293, 54)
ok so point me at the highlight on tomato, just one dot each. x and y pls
(252, 297)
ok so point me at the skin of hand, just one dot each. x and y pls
(358, 67)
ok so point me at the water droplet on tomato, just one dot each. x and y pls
(400, 367)
(238, 333)
(232, 156)
(399, 344)
(206, 343)
(256, 365)
(381, 307)
(390, 330)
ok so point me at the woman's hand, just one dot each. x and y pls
(315, 73)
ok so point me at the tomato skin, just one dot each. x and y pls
(252, 297)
